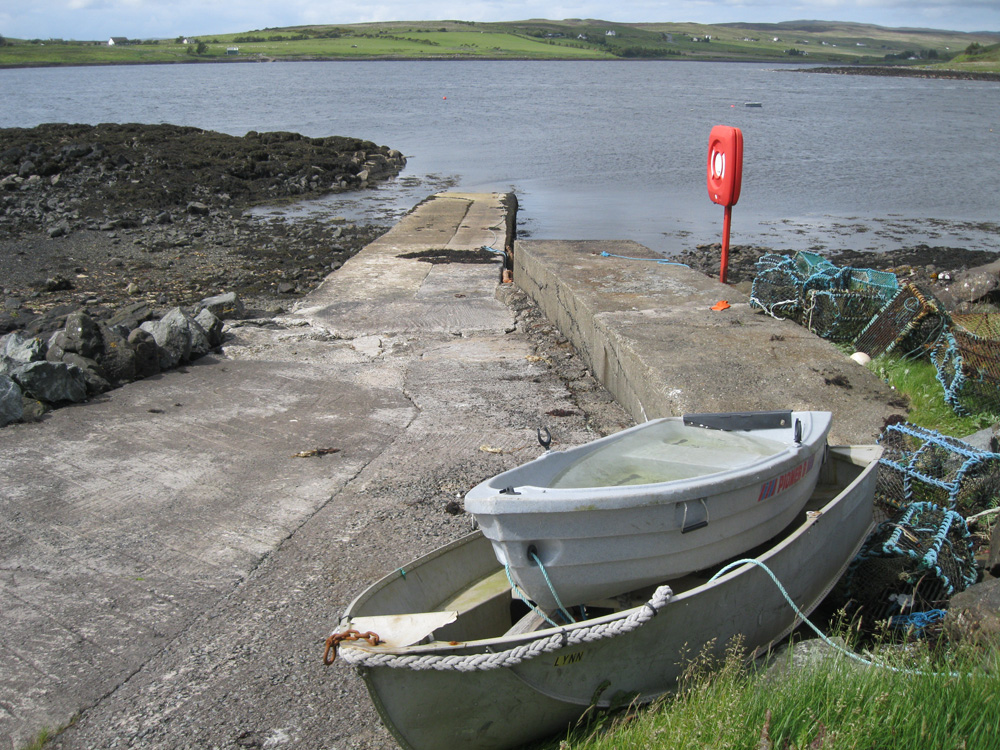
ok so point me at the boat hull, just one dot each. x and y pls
(571, 545)
(509, 706)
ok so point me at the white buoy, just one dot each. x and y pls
(861, 358)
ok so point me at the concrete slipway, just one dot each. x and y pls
(169, 566)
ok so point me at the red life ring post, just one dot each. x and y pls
(724, 179)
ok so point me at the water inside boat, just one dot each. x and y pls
(666, 452)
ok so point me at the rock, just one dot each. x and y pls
(55, 382)
(131, 317)
(19, 349)
(116, 359)
(83, 335)
(95, 380)
(147, 353)
(11, 409)
(59, 230)
(804, 655)
(993, 558)
(974, 614)
(57, 284)
(970, 286)
(211, 325)
(172, 336)
(197, 208)
(201, 344)
(56, 347)
(179, 337)
(224, 306)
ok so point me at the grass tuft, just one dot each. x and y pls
(920, 696)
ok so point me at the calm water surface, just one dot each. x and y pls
(599, 150)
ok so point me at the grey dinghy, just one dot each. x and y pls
(460, 663)
(650, 503)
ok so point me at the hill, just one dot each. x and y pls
(821, 42)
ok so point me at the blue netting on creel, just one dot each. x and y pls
(967, 359)
(918, 622)
(810, 263)
(833, 302)
(921, 465)
(839, 315)
(777, 287)
(883, 283)
(913, 562)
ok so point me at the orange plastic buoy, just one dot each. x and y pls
(721, 305)
(444, 97)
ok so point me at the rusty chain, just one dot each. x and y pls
(330, 654)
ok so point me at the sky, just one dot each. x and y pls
(86, 20)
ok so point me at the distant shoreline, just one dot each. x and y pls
(904, 72)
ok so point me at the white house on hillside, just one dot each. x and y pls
(117, 40)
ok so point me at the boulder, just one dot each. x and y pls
(131, 317)
(974, 284)
(224, 306)
(974, 614)
(172, 338)
(212, 327)
(11, 409)
(54, 382)
(116, 359)
(201, 344)
(83, 335)
(19, 349)
(178, 337)
(92, 373)
(786, 660)
(147, 353)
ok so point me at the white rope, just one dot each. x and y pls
(770, 308)
(511, 657)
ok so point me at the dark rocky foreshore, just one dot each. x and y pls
(116, 242)
(904, 72)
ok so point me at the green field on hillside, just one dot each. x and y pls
(805, 42)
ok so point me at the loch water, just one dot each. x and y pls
(600, 150)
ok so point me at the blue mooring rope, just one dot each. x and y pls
(826, 640)
(658, 261)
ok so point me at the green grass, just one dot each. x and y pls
(917, 379)
(951, 703)
(981, 58)
(536, 39)
(40, 740)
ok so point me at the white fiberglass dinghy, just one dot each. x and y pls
(650, 503)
